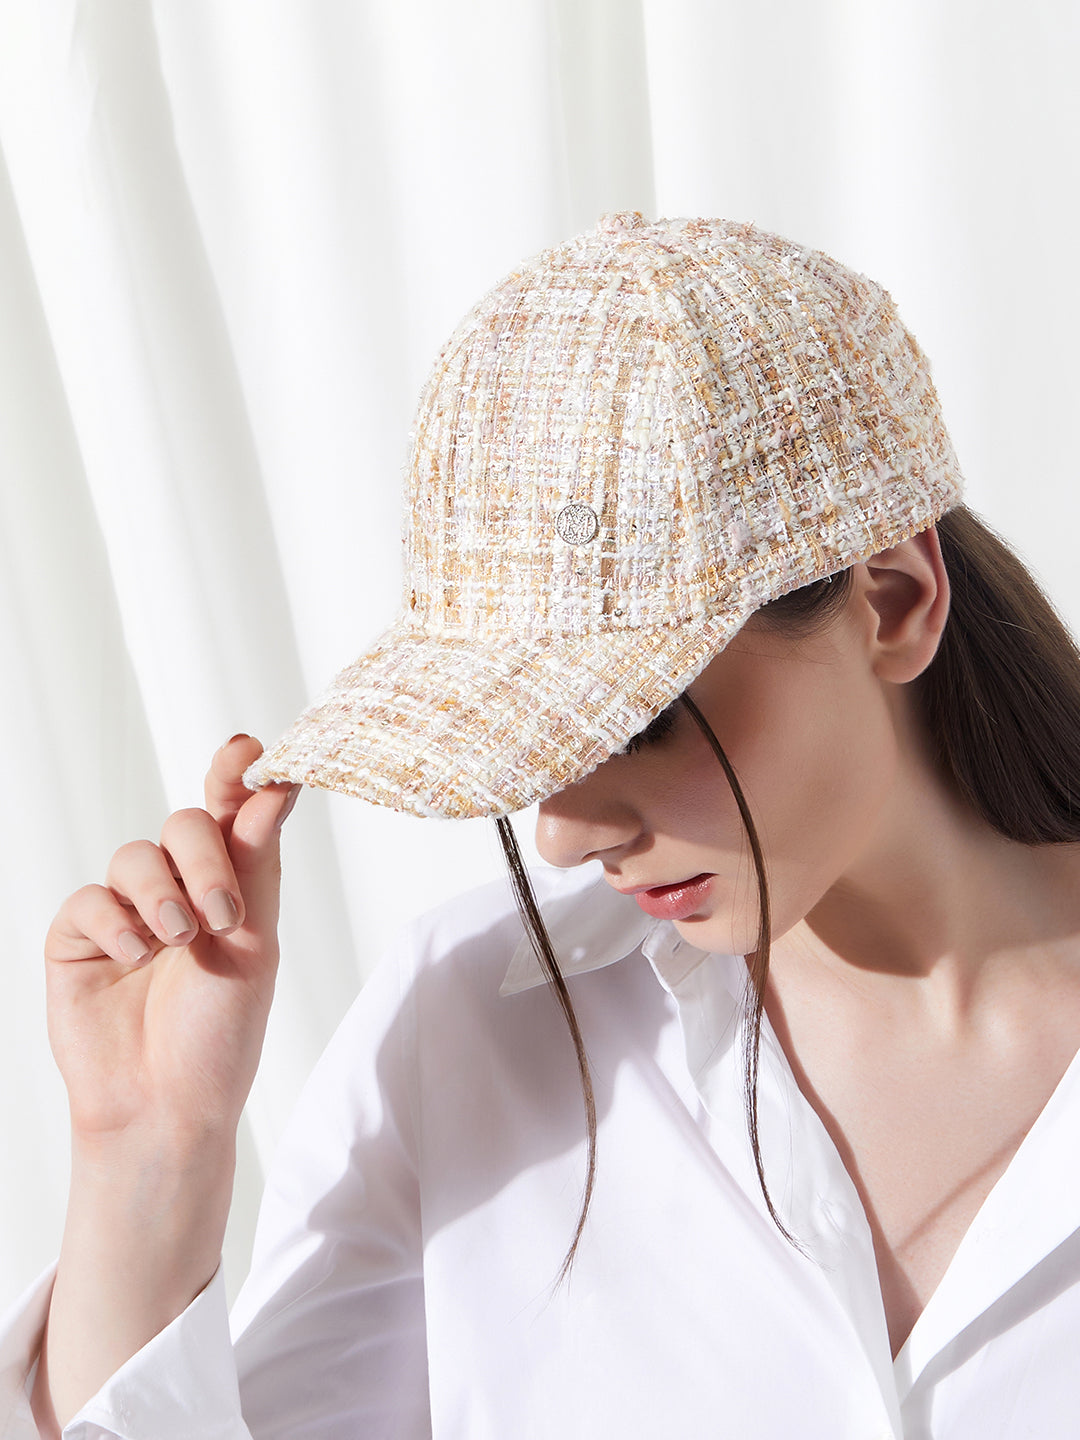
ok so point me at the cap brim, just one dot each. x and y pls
(460, 727)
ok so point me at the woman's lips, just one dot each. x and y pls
(675, 902)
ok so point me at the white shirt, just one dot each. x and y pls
(428, 1187)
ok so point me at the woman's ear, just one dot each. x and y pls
(906, 591)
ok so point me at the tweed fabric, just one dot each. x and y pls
(628, 446)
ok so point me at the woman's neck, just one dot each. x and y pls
(940, 897)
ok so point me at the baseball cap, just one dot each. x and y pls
(629, 445)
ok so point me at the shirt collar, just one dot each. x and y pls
(591, 925)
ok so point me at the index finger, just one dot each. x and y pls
(224, 788)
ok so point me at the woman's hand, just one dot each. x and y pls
(160, 980)
(159, 987)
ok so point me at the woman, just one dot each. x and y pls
(683, 543)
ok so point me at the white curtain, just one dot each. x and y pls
(233, 234)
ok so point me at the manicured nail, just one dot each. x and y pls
(287, 808)
(134, 946)
(220, 910)
(175, 920)
(242, 735)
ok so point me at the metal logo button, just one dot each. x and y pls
(577, 524)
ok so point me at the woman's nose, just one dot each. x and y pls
(580, 823)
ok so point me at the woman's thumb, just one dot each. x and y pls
(254, 847)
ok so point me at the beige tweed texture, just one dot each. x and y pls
(628, 446)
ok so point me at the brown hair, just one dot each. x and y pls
(1000, 703)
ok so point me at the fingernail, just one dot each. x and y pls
(220, 910)
(134, 946)
(242, 735)
(287, 808)
(175, 920)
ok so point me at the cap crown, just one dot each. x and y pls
(655, 422)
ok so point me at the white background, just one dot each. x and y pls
(234, 233)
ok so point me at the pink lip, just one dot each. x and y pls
(672, 902)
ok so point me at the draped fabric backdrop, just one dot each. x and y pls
(234, 234)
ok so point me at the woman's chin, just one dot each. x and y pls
(716, 933)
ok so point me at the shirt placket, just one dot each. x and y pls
(810, 1188)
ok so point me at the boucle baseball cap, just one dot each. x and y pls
(633, 442)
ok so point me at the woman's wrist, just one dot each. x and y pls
(158, 1149)
(151, 1193)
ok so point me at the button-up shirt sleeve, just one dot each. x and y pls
(181, 1384)
(330, 1326)
(20, 1339)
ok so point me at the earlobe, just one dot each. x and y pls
(907, 590)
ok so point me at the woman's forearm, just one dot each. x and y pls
(143, 1237)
